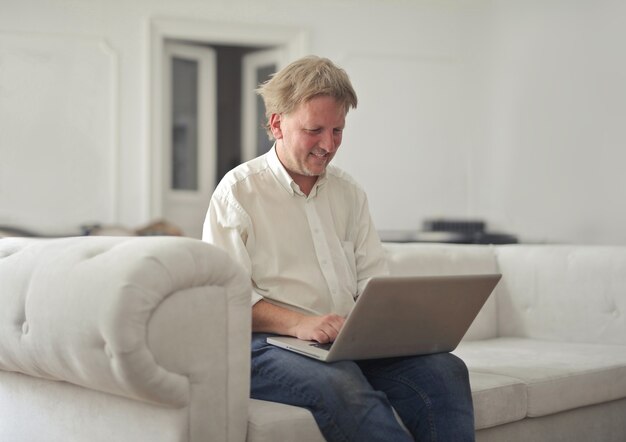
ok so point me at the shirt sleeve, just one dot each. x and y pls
(227, 226)
(370, 256)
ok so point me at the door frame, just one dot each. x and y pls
(178, 202)
(249, 116)
(293, 41)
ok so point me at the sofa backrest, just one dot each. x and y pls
(564, 293)
(422, 259)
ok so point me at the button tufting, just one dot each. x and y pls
(25, 327)
(90, 254)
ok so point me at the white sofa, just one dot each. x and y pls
(147, 339)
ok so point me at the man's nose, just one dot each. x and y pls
(328, 142)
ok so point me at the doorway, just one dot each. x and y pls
(189, 132)
(205, 115)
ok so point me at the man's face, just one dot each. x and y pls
(308, 138)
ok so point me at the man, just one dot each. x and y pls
(302, 229)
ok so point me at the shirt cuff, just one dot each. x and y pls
(256, 297)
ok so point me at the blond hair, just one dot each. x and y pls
(303, 80)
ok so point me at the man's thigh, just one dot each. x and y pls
(284, 376)
(426, 391)
(343, 402)
(425, 376)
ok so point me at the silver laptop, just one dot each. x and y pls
(403, 316)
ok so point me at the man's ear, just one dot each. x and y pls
(275, 121)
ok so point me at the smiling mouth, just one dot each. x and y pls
(319, 154)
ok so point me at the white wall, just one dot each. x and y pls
(57, 130)
(552, 167)
(507, 110)
(370, 38)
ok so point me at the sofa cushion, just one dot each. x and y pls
(563, 293)
(421, 259)
(559, 376)
(497, 399)
(271, 421)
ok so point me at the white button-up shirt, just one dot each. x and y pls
(310, 254)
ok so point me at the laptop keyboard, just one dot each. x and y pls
(322, 346)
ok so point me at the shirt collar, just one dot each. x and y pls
(285, 179)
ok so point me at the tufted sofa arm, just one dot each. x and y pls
(160, 320)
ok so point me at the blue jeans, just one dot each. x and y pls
(353, 400)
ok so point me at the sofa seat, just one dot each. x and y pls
(498, 399)
(558, 376)
(271, 422)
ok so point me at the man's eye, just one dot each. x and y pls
(338, 131)
(313, 131)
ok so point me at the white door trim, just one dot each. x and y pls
(185, 208)
(249, 118)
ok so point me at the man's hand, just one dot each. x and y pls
(270, 318)
(322, 329)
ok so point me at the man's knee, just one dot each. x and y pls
(444, 363)
(455, 367)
